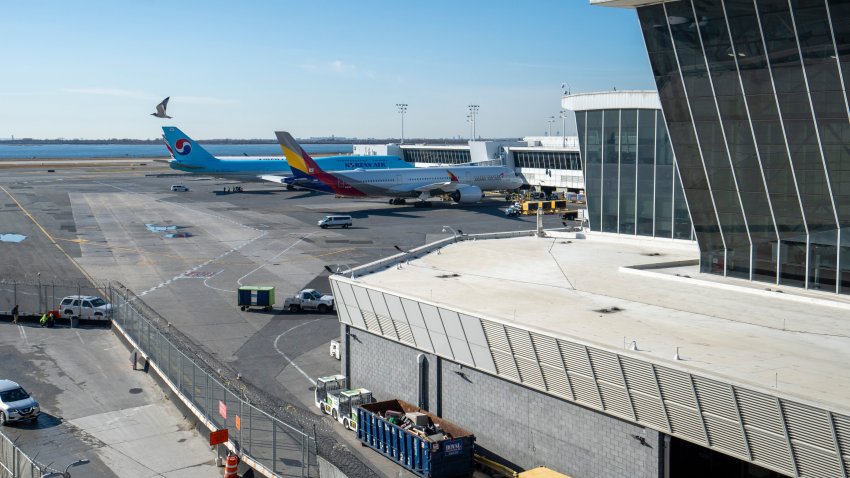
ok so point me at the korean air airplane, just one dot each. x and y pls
(187, 155)
(464, 184)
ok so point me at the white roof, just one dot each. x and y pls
(792, 344)
(8, 385)
(628, 99)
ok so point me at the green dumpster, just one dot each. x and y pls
(255, 296)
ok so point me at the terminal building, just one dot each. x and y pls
(610, 353)
(754, 95)
(630, 172)
(546, 163)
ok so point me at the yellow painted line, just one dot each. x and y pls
(43, 230)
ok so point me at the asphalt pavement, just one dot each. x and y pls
(264, 235)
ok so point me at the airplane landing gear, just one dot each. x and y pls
(398, 201)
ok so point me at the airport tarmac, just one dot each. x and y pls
(265, 235)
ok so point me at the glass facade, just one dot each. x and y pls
(630, 174)
(437, 156)
(754, 93)
(548, 160)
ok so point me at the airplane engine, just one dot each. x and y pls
(467, 194)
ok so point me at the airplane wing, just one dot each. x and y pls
(273, 178)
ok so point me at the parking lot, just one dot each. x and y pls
(264, 235)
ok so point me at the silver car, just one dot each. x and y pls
(16, 404)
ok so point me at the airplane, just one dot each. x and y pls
(464, 184)
(187, 155)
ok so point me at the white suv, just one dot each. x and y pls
(16, 404)
(84, 307)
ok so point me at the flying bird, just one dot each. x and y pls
(160, 109)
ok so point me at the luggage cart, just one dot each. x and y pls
(255, 296)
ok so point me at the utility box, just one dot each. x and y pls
(255, 296)
(437, 449)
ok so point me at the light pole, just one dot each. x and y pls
(402, 109)
(564, 128)
(549, 122)
(473, 112)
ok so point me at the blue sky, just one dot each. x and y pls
(96, 69)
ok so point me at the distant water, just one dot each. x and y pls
(48, 151)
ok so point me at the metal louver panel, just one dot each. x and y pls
(639, 376)
(585, 390)
(505, 364)
(371, 321)
(725, 435)
(714, 399)
(387, 327)
(520, 343)
(529, 372)
(769, 449)
(405, 334)
(809, 425)
(496, 337)
(556, 381)
(815, 462)
(575, 358)
(649, 411)
(759, 410)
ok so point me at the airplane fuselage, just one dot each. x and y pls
(251, 168)
(405, 183)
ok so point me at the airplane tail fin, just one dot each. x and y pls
(304, 168)
(301, 164)
(183, 148)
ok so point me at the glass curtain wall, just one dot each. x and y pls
(630, 174)
(568, 161)
(755, 97)
(437, 156)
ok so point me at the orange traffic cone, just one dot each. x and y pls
(231, 467)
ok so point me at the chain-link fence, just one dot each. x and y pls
(282, 438)
(14, 463)
(34, 297)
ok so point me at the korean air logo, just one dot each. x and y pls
(183, 147)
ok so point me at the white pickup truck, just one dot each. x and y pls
(309, 299)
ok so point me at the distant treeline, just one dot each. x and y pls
(30, 141)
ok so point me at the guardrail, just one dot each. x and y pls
(417, 252)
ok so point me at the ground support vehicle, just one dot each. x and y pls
(422, 442)
(309, 299)
(255, 296)
(328, 390)
(347, 411)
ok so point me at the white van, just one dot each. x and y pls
(179, 188)
(330, 221)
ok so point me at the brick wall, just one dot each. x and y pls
(521, 425)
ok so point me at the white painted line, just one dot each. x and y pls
(287, 358)
(216, 288)
(239, 281)
(80, 337)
